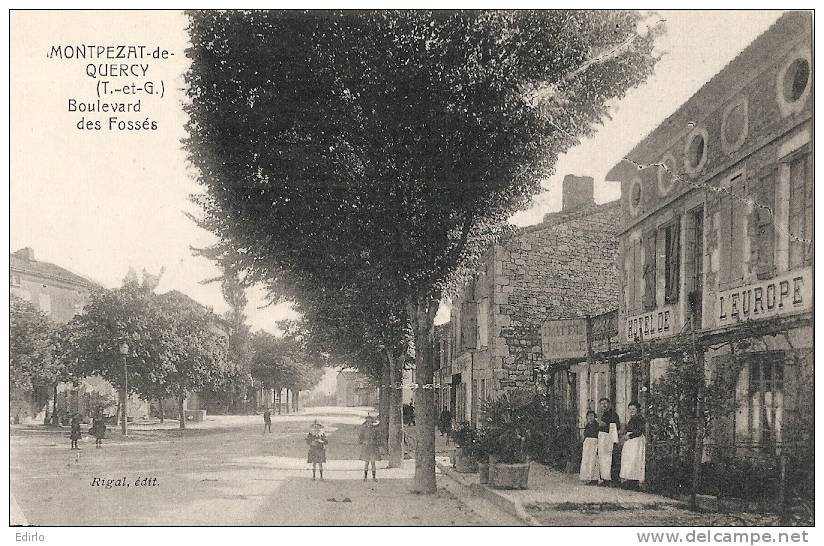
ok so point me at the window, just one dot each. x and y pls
(672, 260)
(793, 84)
(44, 302)
(731, 231)
(734, 126)
(632, 275)
(649, 270)
(800, 212)
(483, 323)
(760, 414)
(482, 393)
(763, 196)
(694, 262)
(695, 151)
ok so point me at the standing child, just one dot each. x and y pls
(75, 434)
(369, 440)
(590, 472)
(316, 439)
(98, 430)
(267, 420)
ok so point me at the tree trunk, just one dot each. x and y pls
(54, 419)
(395, 445)
(383, 403)
(287, 399)
(123, 410)
(295, 401)
(160, 409)
(279, 393)
(180, 412)
(423, 314)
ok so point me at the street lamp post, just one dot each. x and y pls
(124, 350)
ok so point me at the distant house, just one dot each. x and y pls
(355, 389)
(56, 291)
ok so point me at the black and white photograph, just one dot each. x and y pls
(412, 267)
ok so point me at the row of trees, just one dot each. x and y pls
(358, 163)
(157, 346)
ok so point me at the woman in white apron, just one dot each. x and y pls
(589, 453)
(633, 455)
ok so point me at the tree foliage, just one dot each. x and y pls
(389, 147)
(32, 365)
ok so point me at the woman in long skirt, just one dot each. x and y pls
(98, 430)
(316, 439)
(633, 454)
(590, 473)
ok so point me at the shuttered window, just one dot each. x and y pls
(733, 205)
(800, 211)
(649, 270)
(672, 260)
(763, 194)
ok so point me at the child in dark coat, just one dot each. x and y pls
(75, 433)
(98, 430)
(316, 439)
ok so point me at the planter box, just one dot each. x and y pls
(483, 472)
(510, 476)
(464, 462)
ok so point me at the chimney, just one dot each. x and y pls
(26, 254)
(577, 192)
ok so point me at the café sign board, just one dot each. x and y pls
(564, 338)
(790, 292)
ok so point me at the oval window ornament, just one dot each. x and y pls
(695, 151)
(793, 83)
(635, 197)
(735, 125)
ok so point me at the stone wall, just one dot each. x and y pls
(564, 267)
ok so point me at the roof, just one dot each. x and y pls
(554, 219)
(47, 270)
(760, 52)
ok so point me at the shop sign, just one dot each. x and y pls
(564, 338)
(790, 292)
(653, 325)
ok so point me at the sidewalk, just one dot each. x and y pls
(550, 489)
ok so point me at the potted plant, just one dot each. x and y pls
(465, 438)
(482, 456)
(506, 430)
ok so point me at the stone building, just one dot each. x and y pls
(716, 241)
(563, 267)
(355, 389)
(57, 292)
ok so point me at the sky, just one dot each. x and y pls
(100, 202)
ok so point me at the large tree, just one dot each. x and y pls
(33, 369)
(392, 144)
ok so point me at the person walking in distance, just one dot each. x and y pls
(267, 420)
(369, 441)
(445, 422)
(607, 439)
(75, 432)
(98, 430)
(316, 439)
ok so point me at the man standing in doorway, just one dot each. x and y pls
(608, 425)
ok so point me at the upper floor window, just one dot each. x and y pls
(672, 260)
(800, 211)
(733, 216)
(633, 274)
(650, 294)
(793, 83)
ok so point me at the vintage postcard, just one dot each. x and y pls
(413, 268)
